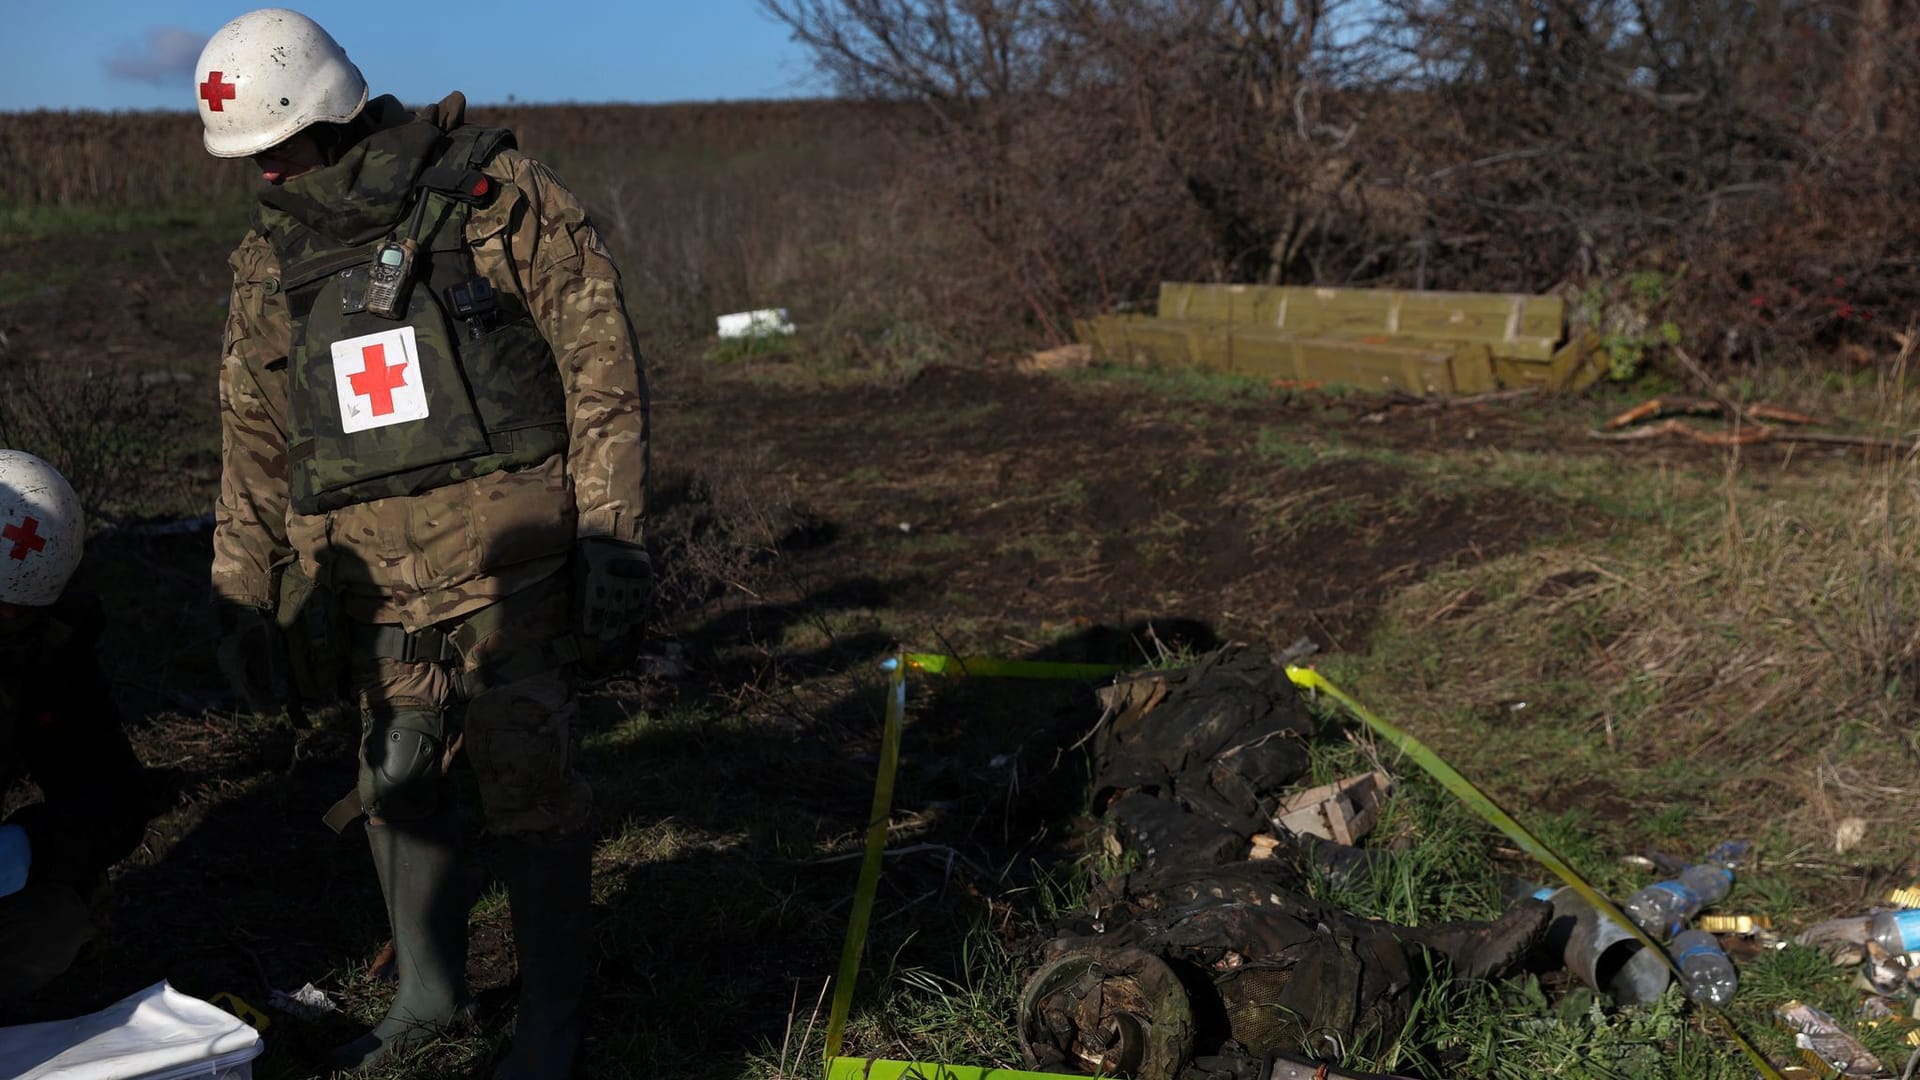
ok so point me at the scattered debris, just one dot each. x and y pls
(307, 1003)
(1750, 436)
(1668, 405)
(1343, 811)
(1825, 1042)
(767, 322)
(1850, 931)
(1739, 925)
(1848, 834)
(1063, 358)
(1754, 423)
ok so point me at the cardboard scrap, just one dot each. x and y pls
(1343, 811)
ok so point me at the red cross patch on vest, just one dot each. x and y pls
(378, 379)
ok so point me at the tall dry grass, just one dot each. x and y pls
(1718, 649)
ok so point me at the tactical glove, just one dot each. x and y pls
(615, 586)
(248, 655)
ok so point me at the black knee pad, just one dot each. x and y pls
(400, 766)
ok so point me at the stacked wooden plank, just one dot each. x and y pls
(1378, 339)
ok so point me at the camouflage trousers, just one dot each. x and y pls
(504, 700)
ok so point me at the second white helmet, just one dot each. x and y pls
(268, 74)
(41, 530)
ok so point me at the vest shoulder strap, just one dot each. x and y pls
(458, 172)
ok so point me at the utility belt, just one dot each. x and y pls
(324, 645)
(432, 645)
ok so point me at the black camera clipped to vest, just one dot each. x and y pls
(475, 302)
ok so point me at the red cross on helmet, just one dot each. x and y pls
(268, 74)
(41, 529)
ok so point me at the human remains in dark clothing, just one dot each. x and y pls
(1201, 965)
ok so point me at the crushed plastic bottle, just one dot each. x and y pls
(1731, 854)
(1663, 908)
(1709, 975)
(1896, 932)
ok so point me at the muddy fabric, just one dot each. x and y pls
(517, 729)
(1222, 739)
(1163, 833)
(427, 558)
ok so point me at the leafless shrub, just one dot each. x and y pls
(113, 438)
(1756, 157)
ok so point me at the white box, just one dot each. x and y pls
(748, 324)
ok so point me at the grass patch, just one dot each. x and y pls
(1183, 385)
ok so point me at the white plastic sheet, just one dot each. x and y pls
(155, 1034)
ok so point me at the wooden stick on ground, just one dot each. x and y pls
(1760, 433)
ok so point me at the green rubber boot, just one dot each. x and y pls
(418, 866)
(548, 885)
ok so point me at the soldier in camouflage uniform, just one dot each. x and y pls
(434, 462)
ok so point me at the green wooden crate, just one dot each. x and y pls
(1418, 342)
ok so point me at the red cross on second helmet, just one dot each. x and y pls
(24, 538)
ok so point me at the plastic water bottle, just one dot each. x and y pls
(1663, 908)
(1898, 932)
(1709, 974)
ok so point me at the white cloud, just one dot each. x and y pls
(165, 58)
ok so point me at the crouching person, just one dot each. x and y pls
(59, 728)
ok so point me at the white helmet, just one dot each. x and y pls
(41, 529)
(266, 75)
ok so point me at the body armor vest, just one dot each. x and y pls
(380, 407)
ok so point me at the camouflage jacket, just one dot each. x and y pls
(420, 559)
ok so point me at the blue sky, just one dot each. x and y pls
(122, 54)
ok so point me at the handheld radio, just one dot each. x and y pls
(389, 279)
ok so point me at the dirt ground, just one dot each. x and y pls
(811, 522)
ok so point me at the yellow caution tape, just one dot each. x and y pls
(1467, 792)
(848, 1068)
(238, 1006)
(869, 882)
(870, 862)
(987, 666)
